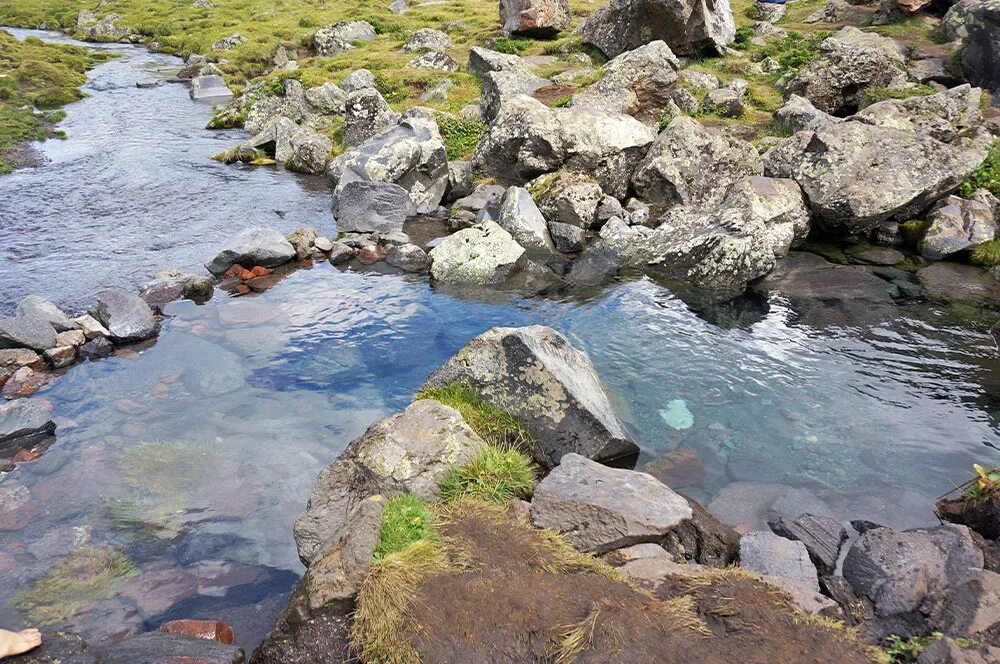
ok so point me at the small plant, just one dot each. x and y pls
(986, 254)
(875, 95)
(793, 52)
(511, 46)
(460, 135)
(743, 36)
(982, 488)
(986, 176)
(494, 425)
(901, 651)
(405, 520)
(497, 474)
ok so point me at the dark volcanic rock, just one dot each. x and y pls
(160, 648)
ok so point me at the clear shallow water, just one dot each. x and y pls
(194, 456)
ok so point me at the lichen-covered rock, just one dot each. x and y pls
(798, 114)
(366, 114)
(852, 63)
(856, 176)
(257, 245)
(673, 171)
(405, 453)
(600, 509)
(340, 37)
(327, 99)
(482, 255)
(528, 139)
(953, 24)
(724, 102)
(359, 79)
(428, 39)
(906, 575)
(434, 61)
(981, 55)
(534, 18)
(943, 116)
(296, 147)
(566, 238)
(519, 216)
(483, 60)
(173, 285)
(38, 307)
(538, 376)
(568, 197)
(501, 86)
(638, 83)
(410, 155)
(228, 43)
(127, 317)
(778, 204)
(957, 224)
(689, 27)
(407, 257)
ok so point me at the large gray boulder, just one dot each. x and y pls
(906, 575)
(519, 216)
(852, 63)
(171, 285)
(327, 99)
(770, 555)
(340, 37)
(499, 87)
(528, 139)
(410, 155)
(638, 83)
(126, 316)
(778, 204)
(944, 115)
(428, 39)
(957, 224)
(257, 245)
(689, 27)
(484, 255)
(210, 88)
(39, 308)
(538, 376)
(24, 421)
(959, 15)
(297, 147)
(568, 197)
(406, 453)
(483, 60)
(534, 18)
(674, 171)
(27, 332)
(822, 537)
(981, 55)
(366, 114)
(856, 176)
(798, 114)
(600, 509)
(366, 207)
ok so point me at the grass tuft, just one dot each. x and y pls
(406, 520)
(986, 254)
(494, 425)
(461, 136)
(987, 176)
(496, 474)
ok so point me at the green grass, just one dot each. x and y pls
(36, 79)
(903, 651)
(875, 95)
(512, 46)
(497, 474)
(460, 135)
(494, 425)
(406, 520)
(987, 176)
(986, 254)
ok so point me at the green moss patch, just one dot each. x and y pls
(497, 474)
(406, 519)
(460, 135)
(85, 575)
(986, 254)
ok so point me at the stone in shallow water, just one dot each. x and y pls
(161, 647)
(26, 332)
(600, 509)
(822, 536)
(37, 307)
(257, 245)
(25, 420)
(127, 317)
(677, 415)
(24, 382)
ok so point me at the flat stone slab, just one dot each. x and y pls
(601, 509)
(26, 332)
(24, 420)
(157, 647)
(771, 555)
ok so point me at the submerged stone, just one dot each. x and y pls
(677, 415)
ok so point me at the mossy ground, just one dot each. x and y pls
(36, 79)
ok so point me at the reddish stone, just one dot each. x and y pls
(64, 423)
(246, 275)
(233, 272)
(371, 253)
(17, 507)
(26, 456)
(260, 271)
(160, 388)
(212, 630)
(677, 469)
(125, 352)
(24, 382)
(155, 592)
(261, 284)
(130, 407)
(242, 289)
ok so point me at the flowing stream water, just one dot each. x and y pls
(193, 456)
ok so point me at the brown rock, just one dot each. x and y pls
(24, 382)
(371, 253)
(15, 358)
(61, 356)
(677, 469)
(213, 630)
(982, 517)
(71, 338)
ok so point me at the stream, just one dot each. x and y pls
(193, 456)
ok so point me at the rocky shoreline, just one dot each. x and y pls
(521, 540)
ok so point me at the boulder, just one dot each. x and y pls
(528, 139)
(367, 207)
(981, 55)
(228, 43)
(851, 63)
(638, 83)
(410, 156)
(822, 536)
(856, 176)
(953, 24)
(906, 575)
(534, 18)
(366, 114)
(838, 11)
(499, 87)
(434, 61)
(102, 30)
(600, 509)
(538, 376)
(60, 356)
(210, 87)
(971, 608)
(25, 381)
(296, 147)
(770, 555)
(359, 79)
(173, 285)
(428, 39)
(482, 255)
(407, 257)
(127, 317)
(96, 349)
(340, 37)
(569, 197)
(163, 647)
(778, 204)
(15, 358)
(723, 102)
(689, 27)
(326, 99)
(519, 216)
(260, 107)
(957, 224)
(27, 332)
(951, 283)
(39, 308)
(483, 60)
(566, 238)
(798, 114)
(406, 453)
(24, 421)
(943, 116)
(256, 245)
(673, 172)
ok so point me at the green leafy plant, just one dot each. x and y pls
(793, 52)
(901, 651)
(982, 488)
(987, 176)
(497, 474)
(405, 520)
(460, 135)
